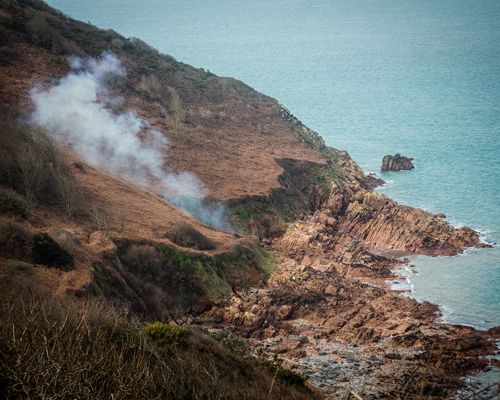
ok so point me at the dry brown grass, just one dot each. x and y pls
(55, 348)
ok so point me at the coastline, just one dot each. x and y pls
(403, 279)
(324, 307)
(328, 305)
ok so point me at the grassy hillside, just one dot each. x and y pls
(66, 348)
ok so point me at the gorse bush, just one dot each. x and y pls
(167, 334)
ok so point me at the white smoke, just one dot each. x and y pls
(79, 109)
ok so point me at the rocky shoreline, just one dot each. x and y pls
(328, 311)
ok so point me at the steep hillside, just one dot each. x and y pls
(294, 261)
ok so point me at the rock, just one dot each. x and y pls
(396, 163)
(393, 356)
(372, 181)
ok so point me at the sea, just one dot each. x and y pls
(373, 77)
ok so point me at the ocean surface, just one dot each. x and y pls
(373, 77)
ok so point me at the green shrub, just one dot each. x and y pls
(15, 241)
(46, 251)
(231, 341)
(167, 334)
(186, 235)
(11, 202)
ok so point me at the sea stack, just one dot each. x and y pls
(396, 162)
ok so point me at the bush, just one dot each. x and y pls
(15, 241)
(46, 251)
(167, 334)
(231, 341)
(67, 192)
(67, 240)
(31, 165)
(11, 202)
(186, 235)
(35, 157)
(143, 261)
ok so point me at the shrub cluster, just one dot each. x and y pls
(11, 202)
(31, 166)
(46, 251)
(15, 241)
(186, 235)
(167, 334)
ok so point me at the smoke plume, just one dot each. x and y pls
(79, 109)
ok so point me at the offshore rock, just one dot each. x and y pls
(396, 163)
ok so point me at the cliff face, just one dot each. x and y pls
(322, 303)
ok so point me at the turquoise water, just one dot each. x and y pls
(373, 77)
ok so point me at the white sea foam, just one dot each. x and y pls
(389, 183)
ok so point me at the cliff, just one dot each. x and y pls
(302, 274)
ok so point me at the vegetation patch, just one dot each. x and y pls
(17, 268)
(31, 166)
(162, 281)
(11, 202)
(275, 366)
(46, 251)
(185, 235)
(304, 188)
(15, 241)
(167, 334)
(197, 273)
(231, 341)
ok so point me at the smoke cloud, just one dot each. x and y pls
(79, 109)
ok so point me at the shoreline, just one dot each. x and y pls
(410, 290)
(329, 310)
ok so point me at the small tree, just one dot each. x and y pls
(33, 171)
(176, 112)
(67, 192)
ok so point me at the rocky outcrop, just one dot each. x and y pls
(396, 162)
(327, 310)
